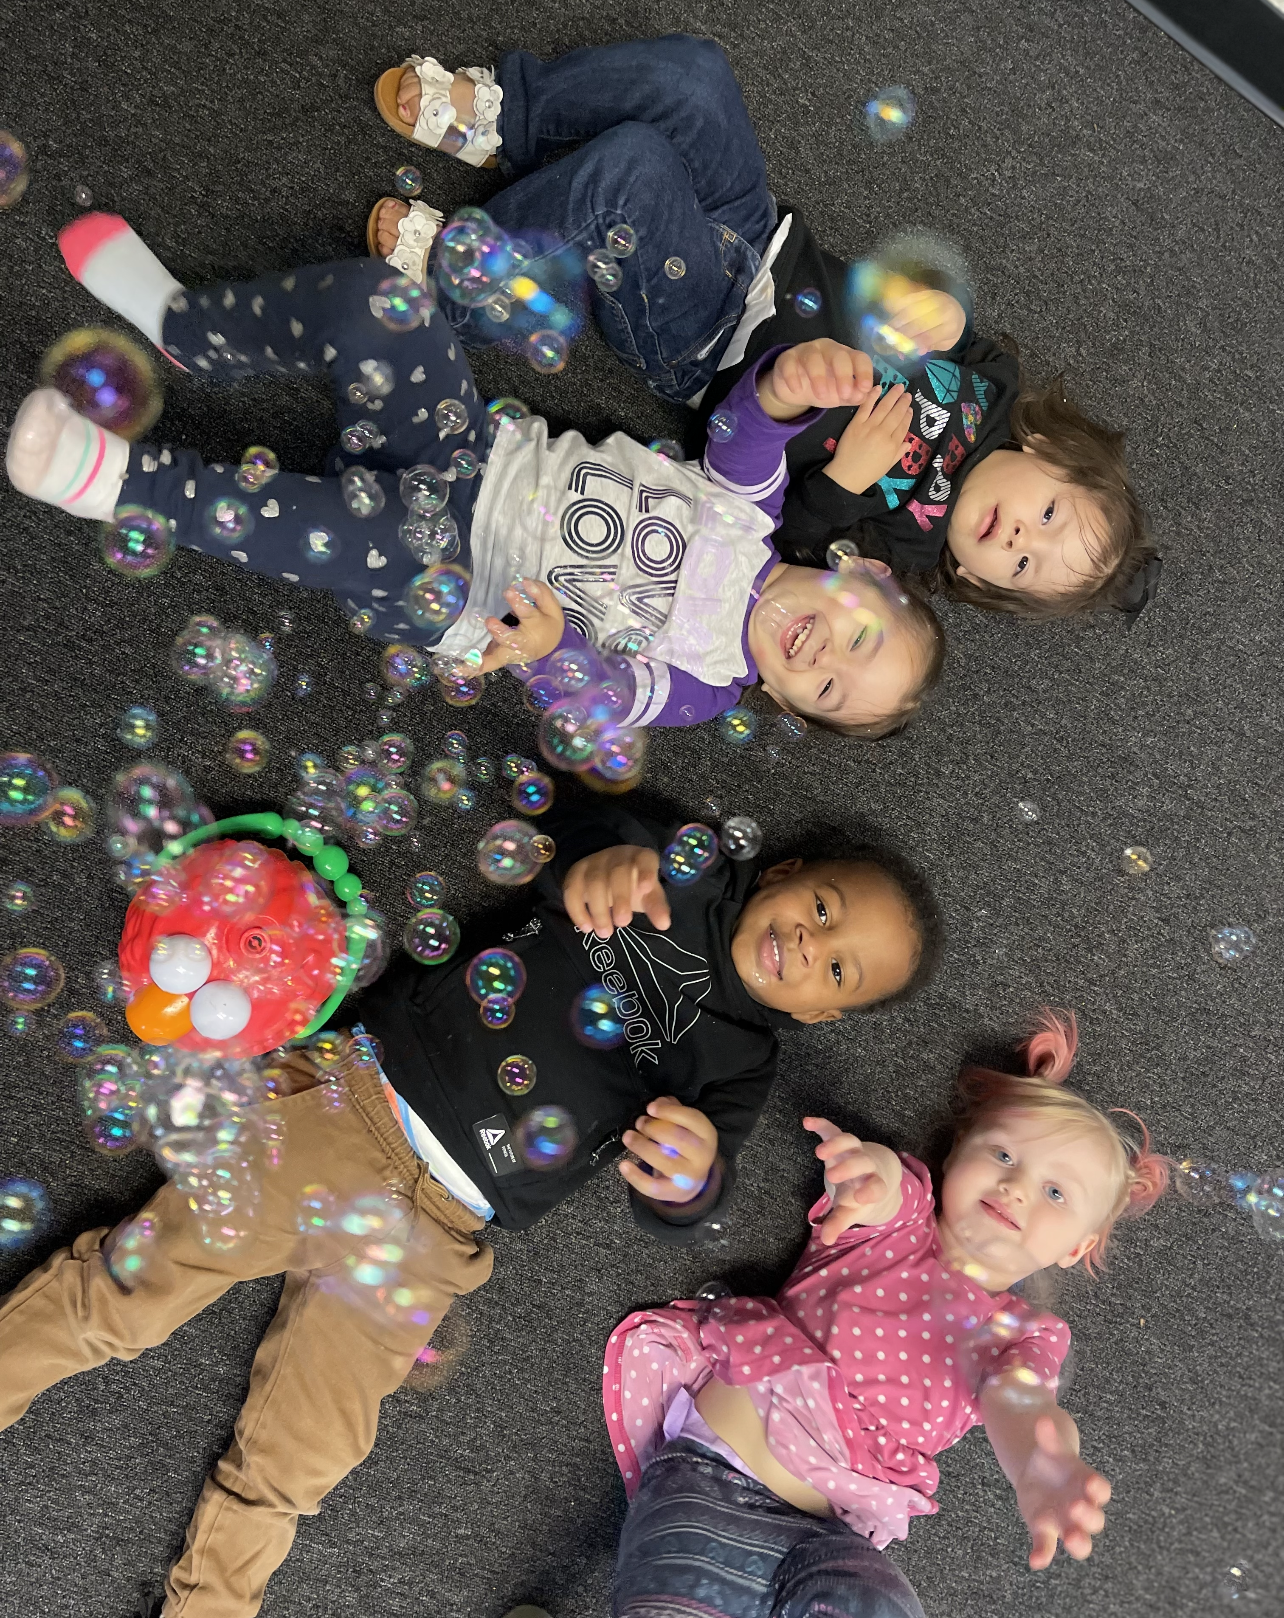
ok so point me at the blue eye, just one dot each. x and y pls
(1055, 1194)
(1003, 1156)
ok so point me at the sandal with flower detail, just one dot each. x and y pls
(437, 124)
(416, 233)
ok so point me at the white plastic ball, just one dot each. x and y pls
(179, 964)
(220, 1010)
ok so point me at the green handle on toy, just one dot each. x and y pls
(269, 824)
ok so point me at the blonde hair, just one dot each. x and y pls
(1140, 1176)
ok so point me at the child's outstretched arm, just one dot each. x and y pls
(863, 1180)
(1037, 1445)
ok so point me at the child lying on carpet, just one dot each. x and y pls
(628, 537)
(1006, 498)
(705, 975)
(897, 1332)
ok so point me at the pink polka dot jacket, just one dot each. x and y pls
(868, 1363)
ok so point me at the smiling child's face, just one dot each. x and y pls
(837, 646)
(1020, 1193)
(1019, 526)
(816, 940)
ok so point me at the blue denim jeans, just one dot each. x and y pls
(702, 1540)
(663, 142)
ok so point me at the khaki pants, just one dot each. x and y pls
(324, 1364)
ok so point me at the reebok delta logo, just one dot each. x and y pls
(492, 1137)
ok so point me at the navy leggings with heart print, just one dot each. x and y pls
(318, 321)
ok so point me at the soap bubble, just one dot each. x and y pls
(842, 556)
(543, 848)
(495, 971)
(320, 546)
(455, 745)
(722, 425)
(1231, 944)
(604, 270)
(137, 543)
(198, 649)
(451, 416)
(516, 1075)
(889, 113)
(18, 897)
(442, 780)
(317, 1209)
(473, 258)
(377, 378)
(465, 463)
(395, 752)
(399, 303)
(396, 813)
(595, 1019)
(246, 752)
(112, 1133)
(436, 597)
(362, 492)
(20, 1024)
(1028, 810)
(1266, 1205)
(105, 377)
(621, 240)
(889, 283)
(807, 303)
(737, 726)
(149, 805)
(506, 855)
(1136, 860)
(424, 489)
(302, 685)
(407, 181)
(404, 667)
(675, 268)
(497, 1011)
(111, 986)
(678, 865)
(699, 842)
(30, 978)
(24, 1209)
(425, 890)
(546, 351)
(465, 800)
(547, 1136)
(229, 520)
(79, 1035)
(618, 751)
(791, 727)
(14, 169)
(501, 413)
(259, 465)
(245, 675)
(741, 838)
(566, 740)
(532, 793)
(432, 936)
(361, 436)
(667, 448)
(137, 727)
(27, 786)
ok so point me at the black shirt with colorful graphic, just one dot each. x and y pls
(962, 404)
(692, 1031)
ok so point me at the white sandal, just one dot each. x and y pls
(416, 233)
(437, 126)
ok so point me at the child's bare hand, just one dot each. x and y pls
(873, 440)
(933, 321)
(679, 1143)
(815, 376)
(603, 891)
(854, 1175)
(1060, 1497)
(540, 622)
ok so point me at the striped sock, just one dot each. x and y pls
(59, 457)
(118, 267)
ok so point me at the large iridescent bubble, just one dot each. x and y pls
(107, 378)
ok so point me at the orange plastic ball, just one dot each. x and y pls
(157, 1017)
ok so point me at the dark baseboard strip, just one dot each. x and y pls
(1203, 53)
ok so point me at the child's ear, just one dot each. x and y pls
(1033, 444)
(1080, 1250)
(780, 872)
(971, 578)
(810, 1017)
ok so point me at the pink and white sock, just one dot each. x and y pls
(59, 457)
(117, 266)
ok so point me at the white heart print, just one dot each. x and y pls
(373, 558)
(270, 510)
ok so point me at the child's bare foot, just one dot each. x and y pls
(391, 213)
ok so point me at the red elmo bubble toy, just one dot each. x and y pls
(238, 948)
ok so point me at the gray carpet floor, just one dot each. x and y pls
(1120, 208)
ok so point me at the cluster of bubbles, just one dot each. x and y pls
(1261, 1196)
(603, 263)
(259, 465)
(148, 806)
(512, 852)
(107, 378)
(495, 980)
(238, 669)
(373, 1273)
(363, 799)
(582, 697)
(532, 294)
(691, 853)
